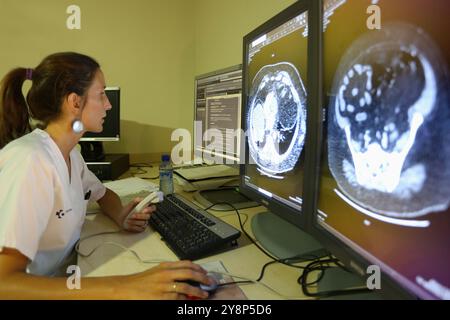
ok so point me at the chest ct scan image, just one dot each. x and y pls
(277, 118)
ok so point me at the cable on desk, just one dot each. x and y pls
(316, 265)
(149, 178)
(139, 167)
(86, 255)
(229, 214)
(284, 261)
(139, 171)
(250, 281)
(322, 266)
(136, 255)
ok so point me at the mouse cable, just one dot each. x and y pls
(250, 281)
(86, 255)
(284, 261)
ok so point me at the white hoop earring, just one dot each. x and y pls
(77, 126)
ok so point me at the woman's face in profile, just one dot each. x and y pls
(97, 104)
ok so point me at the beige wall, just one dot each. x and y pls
(152, 49)
(221, 25)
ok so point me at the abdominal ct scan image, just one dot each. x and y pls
(388, 120)
(276, 119)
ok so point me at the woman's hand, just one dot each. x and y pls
(138, 221)
(112, 207)
(165, 281)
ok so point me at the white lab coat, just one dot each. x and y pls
(42, 210)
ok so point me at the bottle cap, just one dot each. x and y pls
(165, 157)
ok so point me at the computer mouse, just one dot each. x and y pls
(208, 288)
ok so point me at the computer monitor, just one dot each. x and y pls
(384, 180)
(280, 75)
(217, 138)
(217, 116)
(91, 142)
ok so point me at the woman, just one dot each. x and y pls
(45, 186)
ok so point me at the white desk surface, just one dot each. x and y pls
(245, 260)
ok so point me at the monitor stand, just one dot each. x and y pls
(338, 279)
(92, 151)
(284, 240)
(221, 195)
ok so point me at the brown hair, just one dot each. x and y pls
(54, 78)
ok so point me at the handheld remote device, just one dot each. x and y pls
(154, 197)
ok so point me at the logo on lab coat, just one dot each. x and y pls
(61, 213)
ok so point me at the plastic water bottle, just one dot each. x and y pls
(166, 175)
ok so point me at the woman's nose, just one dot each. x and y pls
(108, 105)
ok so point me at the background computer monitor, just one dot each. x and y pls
(218, 107)
(218, 102)
(91, 142)
(280, 79)
(384, 186)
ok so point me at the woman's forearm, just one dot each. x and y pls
(111, 206)
(20, 285)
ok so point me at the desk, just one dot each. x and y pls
(246, 260)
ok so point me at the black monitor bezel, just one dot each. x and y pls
(299, 219)
(105, 138)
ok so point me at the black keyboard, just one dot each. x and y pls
(190, 232)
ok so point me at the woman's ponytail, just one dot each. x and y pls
(14, 114)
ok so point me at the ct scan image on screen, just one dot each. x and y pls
(385, 165)
(276, 110)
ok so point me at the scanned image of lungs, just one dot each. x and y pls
(388, 121)
(276, 119)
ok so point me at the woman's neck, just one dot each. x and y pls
(64, 138)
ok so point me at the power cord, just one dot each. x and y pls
(316, 265)
(322, 266)
(284, 261)
(226, 215)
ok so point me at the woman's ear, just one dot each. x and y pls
(74, 103)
